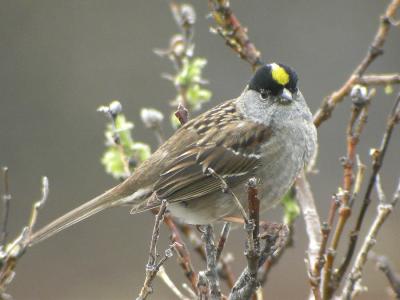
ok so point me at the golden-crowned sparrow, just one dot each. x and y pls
(266, 132)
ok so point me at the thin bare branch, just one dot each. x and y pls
(226, 189)
(375, 50)
(212, 272)
(361, 99)
(202, 286)
(170, 284)
(12, 252)
(378, 156)
(354, 278)
(182, 114)
(233, 32)
(378, 79)
(182, 252)
(153, 266)
(222, 239)
(6, 197)
(383, 264)
(189, 290)
(311, 218)
(246, 286)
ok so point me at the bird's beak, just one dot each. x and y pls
(287, 95)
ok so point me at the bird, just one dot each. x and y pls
(267, 132)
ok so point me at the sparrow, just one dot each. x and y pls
(267, 132)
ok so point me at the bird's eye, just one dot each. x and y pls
(264, 94)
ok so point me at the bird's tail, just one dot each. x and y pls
(108, 199)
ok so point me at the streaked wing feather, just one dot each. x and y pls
(232, 152)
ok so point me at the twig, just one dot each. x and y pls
(202, 286)
(182, 114)
(254, 211)
(6, 197)
(225, 271)
(311, 218)
(38, 205)
(378, 156)
(183, 254)
(153, 266)
(112, 111)
(275, 237)
(289, 219)
(194, 239)
(211, 273)
(379, 189)
(361, 99)
(285, 240)
(375, 50)
(384, 210)
(226, 189)
(13, 251)
(170, 284)
(180, 53)
(247, 283)
(234, 34)
(383, 264)
(222, 239)
(189, 290)
(359, 179)
(378, 79)
(326, 227)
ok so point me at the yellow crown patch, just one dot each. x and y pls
(279, 74)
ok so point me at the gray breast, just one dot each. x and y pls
(284, 156)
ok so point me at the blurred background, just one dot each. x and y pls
(60, 60)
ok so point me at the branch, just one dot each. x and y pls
(182, 114)
(326, 227)
(6, 197)
(153, 266)
(311, 218)
(275, 239)
(211, 273)
(354, 278)
(233, 32)
(383, 264)
(170, 284)
(247, 283)
(202, 286)
(378, 79)
(182, 253)
(187, 79)
(222, 239)
(361, 99)
(375, 50)
(226, 189)
(224, 270)
(378, 156)
(12, 252)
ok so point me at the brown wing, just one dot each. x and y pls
(223, 141)
(233, 152)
